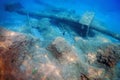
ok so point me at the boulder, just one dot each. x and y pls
(13, 48)
(108, 55)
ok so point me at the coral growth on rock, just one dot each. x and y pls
(13, 48)
(22, 57)
(108, 55)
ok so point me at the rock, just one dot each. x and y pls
(13, 47)
(67, 58)
(62, 50)
(108, 55)
(26, 59)
(58, 46)
(83, 77)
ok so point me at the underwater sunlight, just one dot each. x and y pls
(59, 40)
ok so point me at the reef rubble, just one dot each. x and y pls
(22, 57)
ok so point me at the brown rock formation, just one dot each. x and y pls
(12, 53)
(108, 55)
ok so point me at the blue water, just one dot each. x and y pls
(106, 11)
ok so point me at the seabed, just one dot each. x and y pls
(58, 45)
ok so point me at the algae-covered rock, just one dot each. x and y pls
(12, 52)
(26, 59)
(62, 49)
(108, 55)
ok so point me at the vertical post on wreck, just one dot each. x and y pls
(86, 21)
